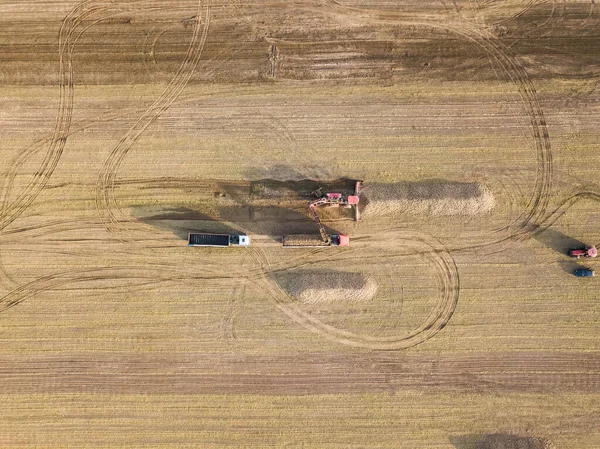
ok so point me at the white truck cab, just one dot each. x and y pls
(244, 240)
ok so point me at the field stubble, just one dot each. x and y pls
(165, 117)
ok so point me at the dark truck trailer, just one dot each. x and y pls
(218, 240)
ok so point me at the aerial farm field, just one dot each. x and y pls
(452, 321)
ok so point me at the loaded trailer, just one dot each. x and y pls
(217, 240)
(312, 240)
(327, 200)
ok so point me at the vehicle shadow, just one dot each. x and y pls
(271, 220)
(238, 219)
(466, 441)
(569, 266)
(180, 221)
(558, 241)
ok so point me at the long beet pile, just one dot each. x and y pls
(313, 287)
(427, 198)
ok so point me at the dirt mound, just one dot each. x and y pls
(500, 441)
(442, 198)
(313, 287)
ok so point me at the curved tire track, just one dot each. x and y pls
(448, 280)
(563, 207)
(63, 119)
(105, 189)
(526, 222)
(57, 142)
(140, 275)
(522, 226)
(536, 210)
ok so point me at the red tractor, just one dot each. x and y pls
(588, 251)
(333, 200)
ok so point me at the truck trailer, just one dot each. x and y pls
(218, 240)
(313, 241)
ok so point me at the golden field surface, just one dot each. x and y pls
(127, 124)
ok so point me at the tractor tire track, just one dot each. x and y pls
(537, 206)
(413, 243)
(105, 189)
(525, 6)
(38, 145)
(23, 292)
(63, 119)
(57, 141)
(526, 222)
(14, 235)
(24, 156)
(228, 319)
(139, 275)
(563, 207)
(61, 130)
(589, 17)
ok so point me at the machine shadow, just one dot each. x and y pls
(272, 220)
(265, 207)
(558, 241)
(466, 441)
(238, 219)
(569, 266)
(180, 221)
(499, 441)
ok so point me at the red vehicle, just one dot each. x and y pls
(329, 200)
(588, 251)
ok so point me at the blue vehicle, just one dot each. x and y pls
(584, 272)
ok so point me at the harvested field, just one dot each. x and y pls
(453, 319)
(335, 286)
(441, 198)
